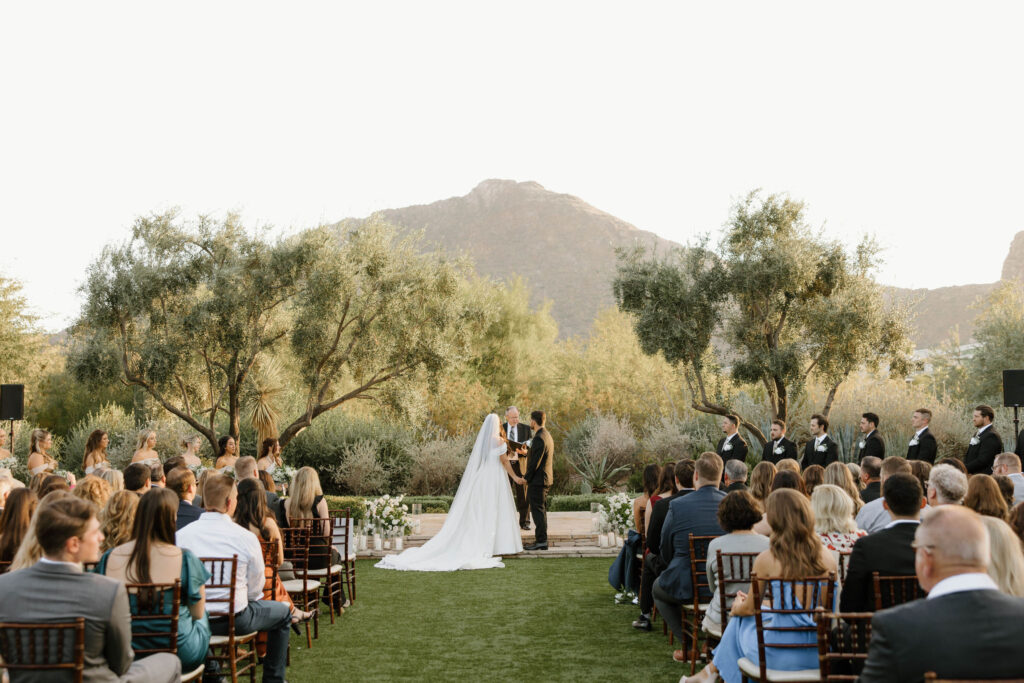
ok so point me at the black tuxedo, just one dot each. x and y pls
(539, 476)
(813, 457)
(925, 449)
(888, 552)
(871, 492)
(929, 635)
(735, 486)
(768, 453)
(1019, 450)
(187, 513)
(980, 456)
(873, 445)
(522, 434)
(738, 450)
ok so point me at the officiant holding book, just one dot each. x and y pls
(518, 433)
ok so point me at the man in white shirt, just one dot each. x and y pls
(874, 516)
(215, 534)
(1008, 464)
(952, 556)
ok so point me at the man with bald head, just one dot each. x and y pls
(965, 628)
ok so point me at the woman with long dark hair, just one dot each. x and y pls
(152, 557)
(96, 452)
(270, 455)
(227, 453)
(650, 480)
(14, 521)
(666, 487)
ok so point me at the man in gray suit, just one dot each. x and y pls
(56, 589)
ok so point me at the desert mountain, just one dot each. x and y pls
(565, 250)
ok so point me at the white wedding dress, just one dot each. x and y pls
(482, 522)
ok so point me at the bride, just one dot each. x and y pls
(482, 523)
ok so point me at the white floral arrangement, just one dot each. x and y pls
(198, 470)
(8, 463)
(229, 471)
(283, 474)
(387, 516)
(618, 516)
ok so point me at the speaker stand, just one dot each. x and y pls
(1016, 427)
(10, 437)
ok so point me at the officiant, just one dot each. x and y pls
(519, 433)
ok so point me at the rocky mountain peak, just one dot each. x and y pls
(1013, 266)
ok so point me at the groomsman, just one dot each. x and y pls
(519, 433)
(922, 446)
(731, 446)
(985, 445)
(871, 444)
(779, 447)
(821, 450)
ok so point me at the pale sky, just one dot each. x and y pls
(899, 119)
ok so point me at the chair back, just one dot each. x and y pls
(699, 568)
(319, 550)
(4, 567)
(155, 617)
(270, 553)
(220, 588)
(843, 640)
(44, 647)
(895, 590)
(842, 564)
(342, 531)
(296, 548)
(789, 600)
(734, 570)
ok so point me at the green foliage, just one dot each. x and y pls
(60, 402)
(602, 451)
(20, 337)
(353, 503)
(999, 331)
(438, 464)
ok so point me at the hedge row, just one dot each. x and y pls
(578, 503)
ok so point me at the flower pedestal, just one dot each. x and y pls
(602, 540)
(378, 542)
(610, 539)
(399, 542)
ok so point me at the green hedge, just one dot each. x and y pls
(354, 503)
(578, 503)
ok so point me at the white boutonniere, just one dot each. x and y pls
(779, 450)
(727, 447)
(861, 444)
(821, 448)
(913, 442)
(975, 441)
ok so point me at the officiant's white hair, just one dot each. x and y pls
(510, 409)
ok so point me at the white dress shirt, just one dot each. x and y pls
(873, 516)
(215, 534)
(1018, 486)
(958, 583)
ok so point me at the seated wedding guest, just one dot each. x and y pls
(152, 557)
(922, 470)
(1005, 485)
(56, 589)
(695, 513)
(145, 449)
(245, 468)
(954, 462)
(1016, 520)
(793, 553)
(200, 485)
(855, 473)
(873, 516)
(36, 481)
(734, 477)
(1006, 560)
(227, 453)
(927, 635)
(984, 497)
(174, 463)
(113, 477)
(40, 460)
(761, 481)
(270, 456)
(215, 534)
(653, 564)
(737, 514)
(52, 482)
(788, 464)
(252, 513)
(95, 490)
(650, 484)
(118, 518)
(138, 478)
(785, 479)
(833, 518)
(1008, 464)
(30, 551)
(191, 446)
(888, 551)
(813, 476)
(871, 478)
(682, 474)
(156, 476)
(307, 501)
(274, 502)
(946, 485)
(183, 483)
(95, 458)
(838, 474)
(14, 522)
(665, 488)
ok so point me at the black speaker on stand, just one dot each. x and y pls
(12, 406)
(1013, 394)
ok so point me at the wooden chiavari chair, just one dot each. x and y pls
(895, 590)
(44, 647)
(843, 640)
(738, 567)
(342, 538)
(321, 565)
(155, 604)
(232, 648)
(694, 612)
(302, 587)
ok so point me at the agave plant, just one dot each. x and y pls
(597, 473)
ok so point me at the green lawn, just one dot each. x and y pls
(535, 620)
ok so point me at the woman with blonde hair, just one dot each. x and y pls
(115, 478)
(95, 490)
(794, 552)
(761, 481)
(118, 519)
(788, 464)
(833, 518)
(307, 496)
(145, 448)
(1006, 561)
(838, 474)
(190, 450)
(96, 452)
(40, 460)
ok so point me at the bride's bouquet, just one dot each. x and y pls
(8, 463)
(388, 516)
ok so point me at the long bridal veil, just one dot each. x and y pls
(482, 521)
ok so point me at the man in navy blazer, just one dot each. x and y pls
(695, 514)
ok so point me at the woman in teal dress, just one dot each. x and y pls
(794, 552)
(152, 557)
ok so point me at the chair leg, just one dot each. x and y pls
(330, 593)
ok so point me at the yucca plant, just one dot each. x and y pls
(264, 390)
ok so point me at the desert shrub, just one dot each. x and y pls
(360, 471)
(670, 439)
(602, 450)
(437, 465)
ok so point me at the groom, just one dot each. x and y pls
(539, 475)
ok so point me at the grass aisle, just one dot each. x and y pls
(535, 620)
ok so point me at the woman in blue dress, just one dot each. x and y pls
(795, 551)
(152, 557)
